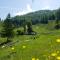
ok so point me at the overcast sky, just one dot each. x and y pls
(20, 7)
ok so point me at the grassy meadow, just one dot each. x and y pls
(45, 45)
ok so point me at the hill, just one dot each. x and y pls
(41, 16)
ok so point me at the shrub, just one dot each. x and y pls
(19, 32)
(57, 26)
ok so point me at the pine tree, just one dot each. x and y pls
(29, 26)
(8, 27)
(57, 19)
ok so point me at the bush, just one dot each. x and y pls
(19, 32)
(3, 34)
(57, 26)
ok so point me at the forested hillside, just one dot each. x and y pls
(41, 16)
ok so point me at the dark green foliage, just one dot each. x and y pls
(19, 32)
(44, 19)
(57, 14)
(37, 17)
(57, 27)
(7, 27)
(24, 26)
(0, 19)
(29, 27)
(18, 21)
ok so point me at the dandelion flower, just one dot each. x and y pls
(58, 40)
(33, 58)
(12, 48)
(58, 57)
(53, 54)
(24, 46)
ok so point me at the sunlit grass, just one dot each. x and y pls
(34, 47)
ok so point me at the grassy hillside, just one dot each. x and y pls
(45, 45)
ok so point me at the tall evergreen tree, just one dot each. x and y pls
(29, 26)
(8, 27)
(57, 18)
(0, 19)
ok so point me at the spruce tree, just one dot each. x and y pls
(8, 27)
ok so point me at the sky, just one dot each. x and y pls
(21, 7)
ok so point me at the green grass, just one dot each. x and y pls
(41, 47)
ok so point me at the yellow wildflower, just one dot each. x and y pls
(53, 54)
(33, 59)
(58, 57)
(12, 48)
(24, 46)
(58, 40)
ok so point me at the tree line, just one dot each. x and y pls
(26, 21)
(42, 16)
